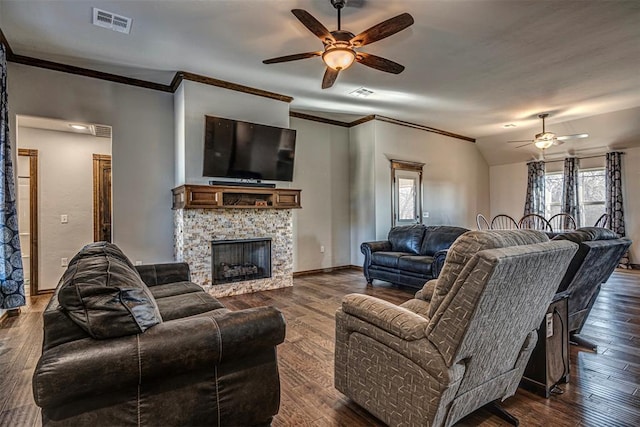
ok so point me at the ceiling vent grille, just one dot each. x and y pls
(102, 131)
(104, 19)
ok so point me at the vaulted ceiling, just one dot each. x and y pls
(471, 66)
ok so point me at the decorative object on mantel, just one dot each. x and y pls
(340, 45)
(234, 197)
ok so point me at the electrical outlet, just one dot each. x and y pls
(321, 249)
(138, 262)
(64, 262)
(549, 325)
(64, 219)
(425, 214)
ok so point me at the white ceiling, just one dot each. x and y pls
(471, 66)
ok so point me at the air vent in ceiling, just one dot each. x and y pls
(102, 131)
(362, 92)
(110, 20)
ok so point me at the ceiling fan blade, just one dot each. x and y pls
(291, 57)
(382, 30)
(524, 140)
(330, 76)
(313, 25)
(523, 145)
(379, 63)
(574, 136)
(558, 142)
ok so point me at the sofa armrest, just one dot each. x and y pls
(90, 367)
(393, 319)
(438, 262)
(160, 274)
(368, 248)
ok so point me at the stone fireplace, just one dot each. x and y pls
(240, 260)
(200, 220)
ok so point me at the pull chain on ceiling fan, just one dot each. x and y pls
(340, 46)
(544, 139)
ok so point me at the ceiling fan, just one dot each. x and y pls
(340, 45)
(544, 139)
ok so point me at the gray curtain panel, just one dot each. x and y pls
(570, 190)
(534, 203)
(11, 273)
(614, 203)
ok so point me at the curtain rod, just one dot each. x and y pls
(580, 158)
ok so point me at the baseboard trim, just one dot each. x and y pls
(324, 270)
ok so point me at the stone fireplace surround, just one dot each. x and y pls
(194, 229)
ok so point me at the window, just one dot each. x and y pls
(591, 195)
(406, 182)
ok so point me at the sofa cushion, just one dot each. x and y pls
(105, 296)
(416, 263)
(179, 306)
(440, 237)
(387, 259)
(406, 238)
(176, 288)
(467, 246)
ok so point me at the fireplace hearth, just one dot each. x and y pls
(240, 260)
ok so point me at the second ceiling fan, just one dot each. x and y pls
(544, 139)
(340, 45)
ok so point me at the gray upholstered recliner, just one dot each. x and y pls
(465, 339)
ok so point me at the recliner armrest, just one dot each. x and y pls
(438, 262)
(398, 321)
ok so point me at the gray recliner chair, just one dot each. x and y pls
(465, 339)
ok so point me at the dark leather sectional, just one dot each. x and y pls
(127, 345)
(411, 255)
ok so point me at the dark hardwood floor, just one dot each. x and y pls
(604, 387)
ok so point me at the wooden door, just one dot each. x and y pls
(101, 197)
(28, 215)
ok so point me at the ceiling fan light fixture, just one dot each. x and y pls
(543, 143)
(339, 58)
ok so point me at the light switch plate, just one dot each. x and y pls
(64, 219)
(549, 325)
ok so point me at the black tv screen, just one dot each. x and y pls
(236, 149)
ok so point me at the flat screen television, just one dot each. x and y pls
(237, 149)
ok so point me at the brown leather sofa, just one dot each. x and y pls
(127, 345)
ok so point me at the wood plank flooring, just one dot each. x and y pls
(604, 388)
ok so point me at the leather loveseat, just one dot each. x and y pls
(411, 255)
(598, 256)
(127, 345)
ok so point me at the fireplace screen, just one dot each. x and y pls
(238, 260)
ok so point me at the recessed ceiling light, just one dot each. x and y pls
(510, 125)
(79, 127)
(362, 92)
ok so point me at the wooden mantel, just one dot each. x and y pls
(233, 197)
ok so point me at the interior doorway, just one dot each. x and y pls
(63, 218)
(101, 198)
(28, 217)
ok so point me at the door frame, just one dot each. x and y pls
(404, 165)
(33, 216)
(97, 205)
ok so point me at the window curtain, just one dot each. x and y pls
(614, 197)
(534, 203)
(11, 273)
(570, 203)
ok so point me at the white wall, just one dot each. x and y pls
(142, 151)
(322, 173)
(362, 187)
(200, 100)
(455, 178)
(65, 186)
(509, 188)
